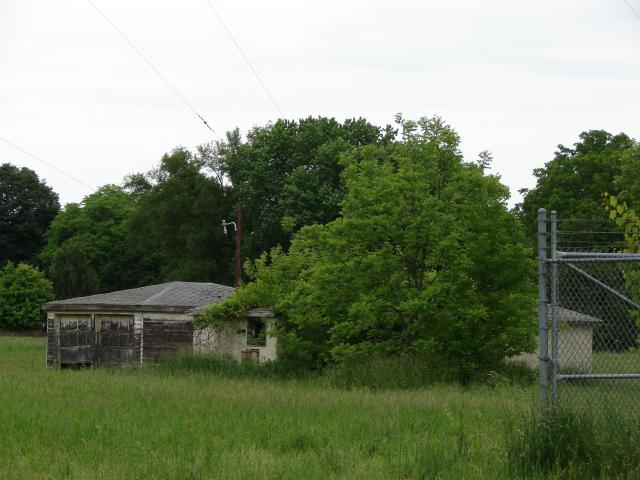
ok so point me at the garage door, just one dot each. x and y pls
(165, 337)
(116, 340)
(76, 340)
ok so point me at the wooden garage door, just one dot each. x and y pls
(76, 340)
(116, 340)
(165, 337)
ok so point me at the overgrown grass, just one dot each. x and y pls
(194, 418)
(189, 362)
(377, 373)
(568, 444)
(406, 372)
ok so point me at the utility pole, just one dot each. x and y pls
(238, 242)
(237, 225)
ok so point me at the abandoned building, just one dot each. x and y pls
(142, 325)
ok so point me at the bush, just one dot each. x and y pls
(575, 445)
(23, 289)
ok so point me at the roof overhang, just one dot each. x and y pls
(260, 313)
(67, 307)
(573, 317)
(253, 313)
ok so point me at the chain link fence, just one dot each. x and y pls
(589, 293)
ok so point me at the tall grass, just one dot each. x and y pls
(183, 421)
(202, 418)
(215, 365)
(570, 444)
(411, 372)
(376, 373)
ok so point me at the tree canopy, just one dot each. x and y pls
(160, 226)
(575, 180)
(93, 236)
(23, 289)
(287, 174)
(425, 259)
(71, 271)
(27, 207)
(626, 185)
(177, 220)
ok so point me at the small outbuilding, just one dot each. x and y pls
(575, 342)
(142, 325)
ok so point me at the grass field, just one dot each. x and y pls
(132, 423)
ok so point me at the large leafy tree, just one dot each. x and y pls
(27, 207)
(627, 184)
(71, 271)
(23, 289)
(91, 238)
(177, 220)
(426, 259)
(287, 174)
(575, 180)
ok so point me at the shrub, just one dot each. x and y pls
(23, 289)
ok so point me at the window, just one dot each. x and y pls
(256, 332)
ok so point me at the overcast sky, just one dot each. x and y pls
(514, 77)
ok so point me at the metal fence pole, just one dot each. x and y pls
(554, 308)
(542, 305)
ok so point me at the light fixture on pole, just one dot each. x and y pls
(225, 224)
(237, 226)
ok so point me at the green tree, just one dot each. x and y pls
(72, 273)
(426, 259)
(626, 185)
(23, 289)
(27, 207)
(573, 183)
(178, 220)
(98, 230)
(287, 174)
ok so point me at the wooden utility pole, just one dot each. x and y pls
(238, 243)
(237, 226)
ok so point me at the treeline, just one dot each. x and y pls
(367, 239)
(164, 224)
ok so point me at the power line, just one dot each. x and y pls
(246, 59)
(17, 147)
(637, 14)
(156, 71)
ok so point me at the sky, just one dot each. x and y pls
(516, 78)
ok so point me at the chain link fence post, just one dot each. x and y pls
(542, 306)
(554, 308)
